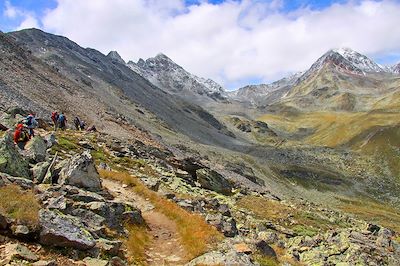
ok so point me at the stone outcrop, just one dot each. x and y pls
(81, 172)
(11, 162)
(63, 230)
(212, 180)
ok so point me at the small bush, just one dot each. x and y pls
(19, 205)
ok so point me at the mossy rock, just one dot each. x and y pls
(11, 161)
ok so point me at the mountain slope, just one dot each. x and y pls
(116, 84)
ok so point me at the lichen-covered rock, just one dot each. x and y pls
(212, 180)
(11, 161)
(81, 172)
(39, 171)
(63, 231)
(18, 252)
(220, 258)
(35, 150)
(226, 225)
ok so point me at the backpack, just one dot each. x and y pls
(54, 116)
(28, 121)
(61, 118)
(23, 136)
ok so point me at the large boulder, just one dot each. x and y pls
(81, 172)
(212, 180)
(63, 230)
(36, 150)
(11, 162)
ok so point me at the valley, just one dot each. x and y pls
(302, 171)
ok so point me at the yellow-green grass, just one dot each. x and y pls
(302, 222)
(20, 205)
(331, 129)
(137, 243)
(196, 235)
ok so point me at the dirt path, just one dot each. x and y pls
(165, 247)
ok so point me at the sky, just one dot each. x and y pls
(234, 42)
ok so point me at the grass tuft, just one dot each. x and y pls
(196, 235)
(137, 243)
(20, 205)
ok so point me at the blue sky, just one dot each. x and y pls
(233, 42)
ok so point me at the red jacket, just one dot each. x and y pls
(17, 135)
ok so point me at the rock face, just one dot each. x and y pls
(63, 231)
(81, 172)
(11, 162)
(212, 180)
(36, 149)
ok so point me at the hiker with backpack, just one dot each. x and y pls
(54, 118)
(77, 123)
(21, 136)
(31, 123)
(62, 121)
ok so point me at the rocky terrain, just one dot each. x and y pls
(183, 173)
(76, 216)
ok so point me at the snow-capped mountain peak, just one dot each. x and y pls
(362, 62)
(166, 74)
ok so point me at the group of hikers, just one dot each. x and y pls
(24, 130)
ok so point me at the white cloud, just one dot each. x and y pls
(230, 41)
(10, 11)
(29, 21)
(25, 18)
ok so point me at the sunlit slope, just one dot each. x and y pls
(332, 90)
(331, 129)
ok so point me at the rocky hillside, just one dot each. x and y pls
(98, 200)
(124, 93)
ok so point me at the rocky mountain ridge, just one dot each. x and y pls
(166, 74)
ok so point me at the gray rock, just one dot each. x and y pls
(230, 258)
(269, 237)
(20, 230)
(44, 263)
(81, 172)
(93, 222)
(58, 203)
(63, 231)
(225, 225)
(151, 183)
(81, 195)
(212, 180)
(18, 252)
(20, 181)
(104, 166)
(11, 161)
(133, 217)
(50, 140)
(109, 247)
(39, 171)
(36, 149)
(186, 204)
(265, 249)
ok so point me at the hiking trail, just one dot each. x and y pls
(165, 247)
